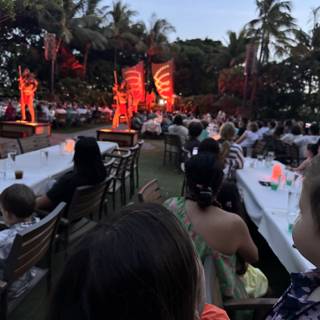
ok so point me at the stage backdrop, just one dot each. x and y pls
(135, 79)
(163, 79)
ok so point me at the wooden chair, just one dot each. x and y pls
(172, 148)
(260, 306)
(150, 193)
(33, 143)
(7, 145)
(119, 173)
(87, 201)
(29, 247)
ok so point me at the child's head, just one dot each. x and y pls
(17, 203)
(306, 231)
(312, 150)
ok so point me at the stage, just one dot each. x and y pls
(124, 138)
(23, 129)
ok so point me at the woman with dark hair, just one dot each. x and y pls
(209, 145)
(195, 129)
(215, 231)
(88, 170)
(141, 266)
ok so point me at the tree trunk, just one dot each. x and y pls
(115, 60)
(85, 59)
(52, 76)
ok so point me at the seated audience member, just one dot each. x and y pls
(88, 170)
(249, 137)
(17, 206)
(304, 140)
(311, 152)
(10, 113)
(204, 134)
(209, 145)
(291, 136)
(215, 231)
(288, 125)
(141, 266)
(272, 127)
(178, 129)
(231, 152)
(166, 123)
(263, 129)
(136, 122)
(278, 132)
(195, 129)
(302, 299)
(242, 126)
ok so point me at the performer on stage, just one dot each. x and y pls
(150, 100)
(28, 86)
(121, 100)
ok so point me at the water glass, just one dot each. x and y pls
(274, 184)
(293, 208)
(289, 179)
(260, 159)
(12, 158)
(44, 157)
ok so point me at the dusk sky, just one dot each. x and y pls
(211, 18)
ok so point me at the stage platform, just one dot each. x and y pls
(124, 138)
(23, 129)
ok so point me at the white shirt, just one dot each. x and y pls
(262, 131)
(289, 137)
(250, 139)
(303, 141)
(181, 131)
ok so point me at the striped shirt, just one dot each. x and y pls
(235, 156)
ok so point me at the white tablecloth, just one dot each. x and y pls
(39, 175)
(268, 210)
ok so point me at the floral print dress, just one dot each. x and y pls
(231, 285)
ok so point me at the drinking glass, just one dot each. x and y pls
(293, 208)
(260, 159)
(289, 179)
(274, 184)
(12, 158)
(44, 157)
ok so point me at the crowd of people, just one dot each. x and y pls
(147, 263)
(60, 114)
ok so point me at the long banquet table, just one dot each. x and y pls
(268, 210)
(38, 174)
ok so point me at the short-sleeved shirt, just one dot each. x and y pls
(250, 138)
(295, 303)
(7, 237)
(65, 187)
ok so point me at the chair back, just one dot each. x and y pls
(31, 245)
(213, 293)
(172, 142)
(7, 145)
(87, 201)
(34, 143)
(121, 163)
(150, 193)
(134, 154)
(109, 165)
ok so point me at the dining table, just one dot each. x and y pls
(269, 210)
(41, 168)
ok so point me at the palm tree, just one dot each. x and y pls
(235, 51)
(76, 22)
(273, 28)
(119, 32)
(156, 40)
